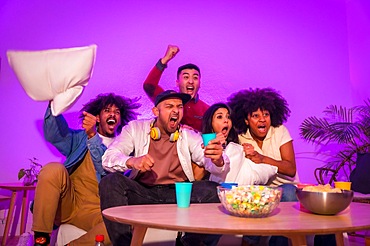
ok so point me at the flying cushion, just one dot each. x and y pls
(59, 75)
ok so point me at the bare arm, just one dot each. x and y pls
(286, 166)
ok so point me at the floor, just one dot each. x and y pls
(353, 241)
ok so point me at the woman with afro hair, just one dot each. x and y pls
(258, 116)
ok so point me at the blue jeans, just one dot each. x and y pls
(118, 190)
(289, 193)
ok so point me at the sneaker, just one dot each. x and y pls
(41, 239)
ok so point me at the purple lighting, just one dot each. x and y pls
(315, 53)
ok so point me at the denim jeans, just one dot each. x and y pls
(118, 190)
(289, 193)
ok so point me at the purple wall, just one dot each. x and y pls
(314, 52)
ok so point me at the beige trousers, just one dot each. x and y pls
(73, 199)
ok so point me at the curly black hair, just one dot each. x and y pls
(244, 102)
(207, 121)
(126, 107)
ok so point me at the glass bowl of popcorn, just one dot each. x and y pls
(252, 201)
(324, 199)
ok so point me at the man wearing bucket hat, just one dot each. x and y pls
(159, 153)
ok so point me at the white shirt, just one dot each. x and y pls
(275, 138)
(135, 138)
(106, 140)
(242, 170)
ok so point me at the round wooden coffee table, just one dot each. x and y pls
(286, 220)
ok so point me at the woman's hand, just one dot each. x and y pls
(251, 154)
(214, 151)
(286, 165)
(221, 138)
(248, 149)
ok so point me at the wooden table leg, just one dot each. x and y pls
(9, 218)
(339, 239)
(297, 239)
(24, 212)
(367, 241)
(138, 235)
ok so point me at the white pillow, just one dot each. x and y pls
(59, 75)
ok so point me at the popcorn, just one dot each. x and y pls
(250, 200)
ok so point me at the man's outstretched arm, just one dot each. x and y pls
(151, 87)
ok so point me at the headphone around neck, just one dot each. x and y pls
(155, 133)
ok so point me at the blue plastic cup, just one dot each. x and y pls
(183, 194)
(208, 137)
(228, 185)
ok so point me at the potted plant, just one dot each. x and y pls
(29, 175)
(349, 128)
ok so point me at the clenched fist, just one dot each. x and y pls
(143, 163)
(171, 52)
(251, 154)
(89, 124)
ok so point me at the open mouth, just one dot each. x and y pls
(261, 128)
(190, 88)
(225, 130)
(173, 121)
(111, 121)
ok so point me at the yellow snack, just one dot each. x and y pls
(322, 188)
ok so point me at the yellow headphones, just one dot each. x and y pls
(155, 133)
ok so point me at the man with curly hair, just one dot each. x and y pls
(68, 193)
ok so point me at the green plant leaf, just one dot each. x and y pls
(349, 128)
(314, 129)
(21, 173)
